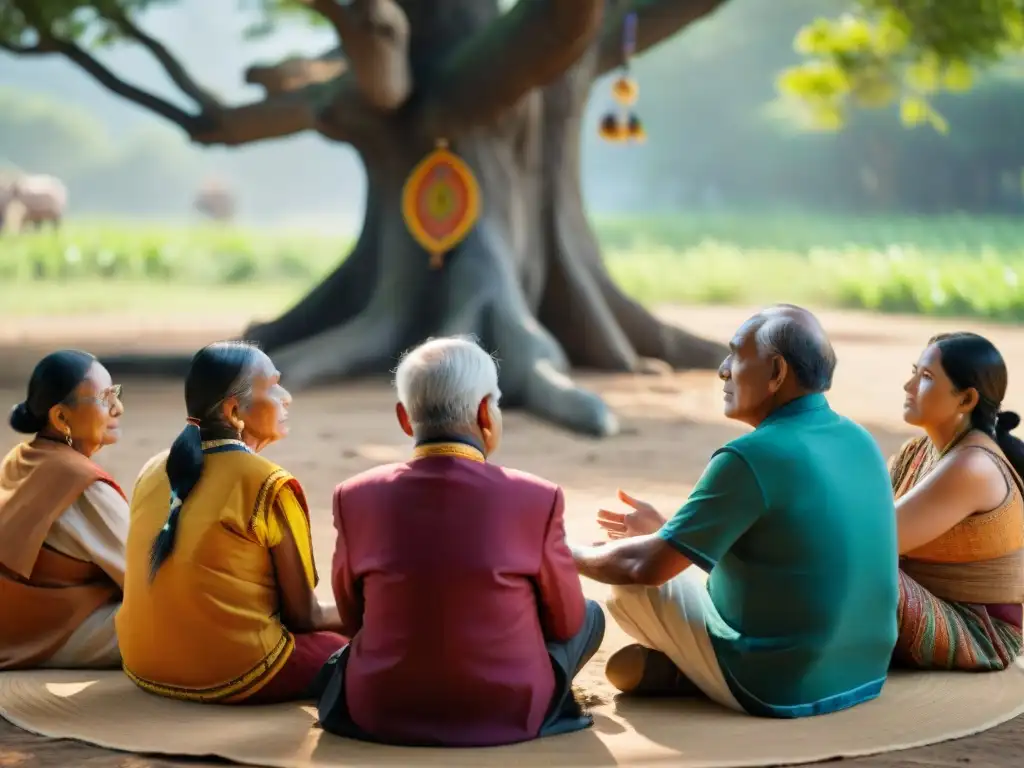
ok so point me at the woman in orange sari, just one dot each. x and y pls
(63, 521)
(960, 512)
(219, 604)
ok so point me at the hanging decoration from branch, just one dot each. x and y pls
(440, 202)
(623, 124)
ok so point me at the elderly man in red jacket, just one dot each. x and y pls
(453, 578)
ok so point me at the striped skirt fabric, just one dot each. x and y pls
(940, 634)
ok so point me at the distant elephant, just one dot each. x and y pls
(216, 202)
(37, 199)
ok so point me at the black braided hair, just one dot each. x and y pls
(218, 371)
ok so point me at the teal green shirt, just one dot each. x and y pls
(796, 524)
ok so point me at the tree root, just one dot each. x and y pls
(394, 305)
(553, 396)
(534, 366)
(368, 343)
(172, 366)
(653, 338)
(601, 327)
(466, 290)
(574, 307)
(340, 297)
(534, 376)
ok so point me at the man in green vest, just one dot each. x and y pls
(773, 590)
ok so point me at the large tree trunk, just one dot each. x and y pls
(528, 281)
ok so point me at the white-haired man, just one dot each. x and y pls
(453, 578)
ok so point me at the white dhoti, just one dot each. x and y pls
(672, 619)
(92, 646)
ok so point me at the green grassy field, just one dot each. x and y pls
(942, 266)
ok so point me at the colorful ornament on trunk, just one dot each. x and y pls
(440, 202)
(623, 124)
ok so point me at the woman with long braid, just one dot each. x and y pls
(960, 512)
(218, 600)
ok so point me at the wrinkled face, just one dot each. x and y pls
(747, 377)
(91, 415)
(932, 399)
(266, 415)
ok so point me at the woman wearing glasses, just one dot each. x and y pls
(63, 521)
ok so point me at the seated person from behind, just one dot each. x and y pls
(959, 512)
(219, 604)
(794, 522)
(453, 578)
(63, 521)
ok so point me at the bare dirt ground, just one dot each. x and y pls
(672, 424)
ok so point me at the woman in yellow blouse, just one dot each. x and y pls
(218, 599)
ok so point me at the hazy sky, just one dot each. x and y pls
(208, 38)
(206, 34)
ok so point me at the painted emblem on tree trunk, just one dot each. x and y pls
(440, 202)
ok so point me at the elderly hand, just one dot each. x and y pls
(642, 520)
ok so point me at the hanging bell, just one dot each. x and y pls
(635, 129)
(611, 128)
(625, 90)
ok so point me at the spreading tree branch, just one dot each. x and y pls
(526, 48)
(297, 72)
(273, 117)
(374, 35)
(325, 86)
(51, 43)
(277, 115)
(657, 20)
(175, 71)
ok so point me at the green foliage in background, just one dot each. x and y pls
(201, 255)
(954, 266)
(904, 51)
(93, 23)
